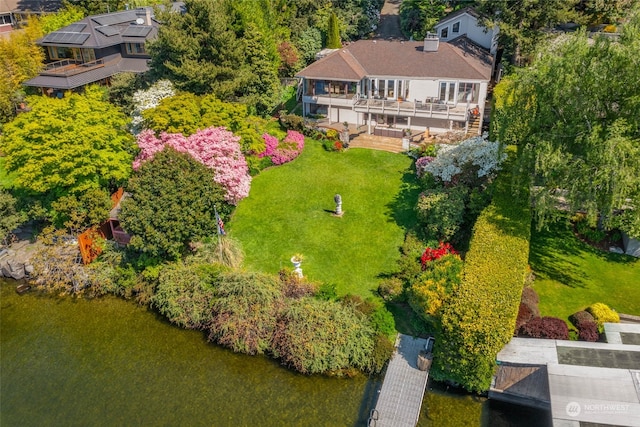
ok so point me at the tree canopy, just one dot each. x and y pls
(20, 60)
(68, 145)
(172, 204)
(574, 115)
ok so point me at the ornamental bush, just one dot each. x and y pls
(315, 336)
(147, 99)
(441, 212)
(546, 327)
(479, 318)
(603, 314)
(184, 293)
(588, 331)
(432, 289)
(525, 314)
(580, 317)
(245, 310)
(216, 148)
(474, 158)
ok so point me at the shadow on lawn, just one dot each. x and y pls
(401, 209)
(551, 255)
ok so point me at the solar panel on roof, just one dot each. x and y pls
(64, 37)
(136, 31)
(75, 28)
(116, 18)
(108, 31)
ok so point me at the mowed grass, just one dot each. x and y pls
(571, 275)
(289, 211)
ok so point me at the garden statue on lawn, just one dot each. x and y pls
(338, 199)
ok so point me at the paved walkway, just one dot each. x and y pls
(403, 388)
(389, 26)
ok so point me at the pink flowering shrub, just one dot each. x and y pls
(285, 151)
(271, 143)
(214, 147)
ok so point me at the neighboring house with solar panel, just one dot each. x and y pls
(15, 12)
(95, 49)
(435, 85)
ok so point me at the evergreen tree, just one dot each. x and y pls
(333, 33)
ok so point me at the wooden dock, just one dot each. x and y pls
(403, 388)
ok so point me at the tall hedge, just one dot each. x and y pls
(480, 317)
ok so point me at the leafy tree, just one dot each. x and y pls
(171, 204)
(309, 43)
(417, 17)
(67, 146)
(573, 114)
(333, 33)
(65, 16)
(605, 12)
(186, 113)
(10, 218)
(521, 22)
(289, 59)
(20, 60)
(76, 213)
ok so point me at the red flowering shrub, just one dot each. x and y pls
(546, 327)
(338, 145)
(431, 254)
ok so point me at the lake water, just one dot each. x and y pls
(109, 362)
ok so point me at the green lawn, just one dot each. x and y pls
(572, 275)
(289, 211)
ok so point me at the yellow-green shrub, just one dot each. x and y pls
(603, 314)
(480, 316)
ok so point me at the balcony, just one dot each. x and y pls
(431, 109)
(70, 67)
(335, 100)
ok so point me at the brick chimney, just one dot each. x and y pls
(431, 42)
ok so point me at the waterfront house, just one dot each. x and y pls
(95, 49)
(435, 85)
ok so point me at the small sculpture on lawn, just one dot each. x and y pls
(338, 199)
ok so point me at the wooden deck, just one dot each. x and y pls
(403, 388)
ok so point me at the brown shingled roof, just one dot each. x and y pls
(459, 59)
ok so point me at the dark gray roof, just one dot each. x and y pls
(467, 10)
(458, 59)
(105, 30)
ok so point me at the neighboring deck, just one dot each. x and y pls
(400, 398)
(584, 383)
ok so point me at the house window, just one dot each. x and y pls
(59, 52)
(135, 48)
(88, 55)
(391, 89)
(5, 19)
(321, 88)
(468, 92)
(455, 28)
(447, 91)
(444, 33)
